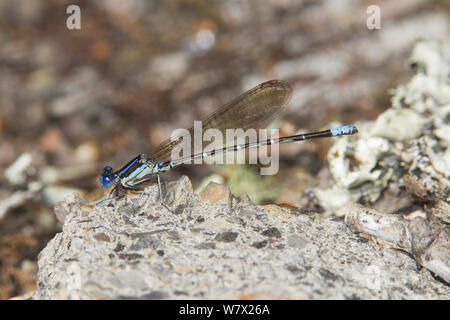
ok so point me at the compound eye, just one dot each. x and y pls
(106, 170)
(106, 180)
(107, 177)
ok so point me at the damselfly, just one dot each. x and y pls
(255, 108)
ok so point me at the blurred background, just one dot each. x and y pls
(73, 101)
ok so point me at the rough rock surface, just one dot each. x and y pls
(216, 246)
(403, 157)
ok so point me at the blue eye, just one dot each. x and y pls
(107, 177)
(107, 170)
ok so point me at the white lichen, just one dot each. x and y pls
(413, 133)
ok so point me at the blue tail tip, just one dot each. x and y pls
(344, 130)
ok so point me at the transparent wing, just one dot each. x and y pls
(255, 108)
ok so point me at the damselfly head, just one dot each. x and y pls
(107, 178)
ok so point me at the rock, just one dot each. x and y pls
(215, 192)
(411, 137)
(424, 239)
(134, 248)
(16, 173)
